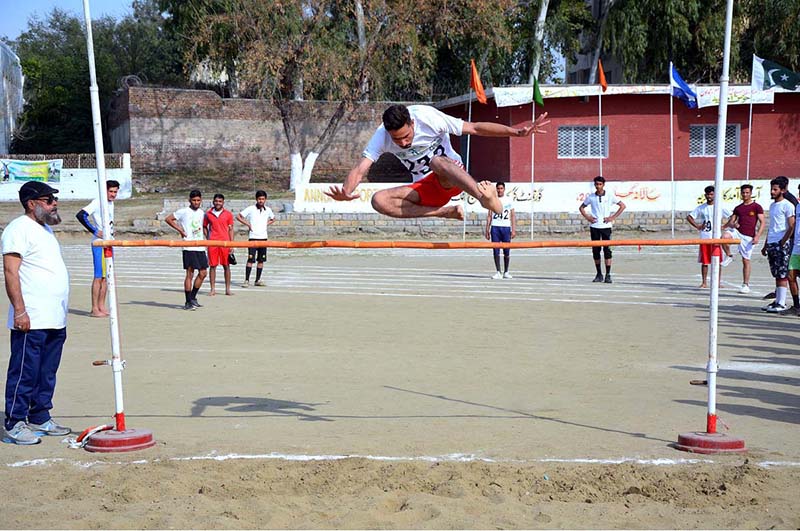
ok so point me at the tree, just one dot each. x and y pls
(334, 47)
(57, 116)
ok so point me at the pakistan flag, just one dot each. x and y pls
(767, 74)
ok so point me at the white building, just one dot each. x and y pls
(11, 102)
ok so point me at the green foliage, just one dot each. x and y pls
(57, 115)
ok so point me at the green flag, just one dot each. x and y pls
(767, 74)
(537, 95)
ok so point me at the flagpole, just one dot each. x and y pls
(533, 149)
(672, 162)
(464, 194)
(749, 135)
(600, 124)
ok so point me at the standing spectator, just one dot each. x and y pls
(702, 219)
(257, 218)
(502, 228)
(777, 247)
(188, 221)
(601, 220)
(746, 224)
(91, 217)
(37, 284)
(794, 266)
(218, 225)
(783, 183)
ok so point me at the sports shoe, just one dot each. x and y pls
(50, 427)
(777, 308)
(497, 276)
(259, 283)
(608, 278)
(188, 306)
(792, 310)
(21, 434)
(727, 261)
(507, 275)
(744, 289)
(246, 284)
(598, 278)
(196, 304)
(768, 307)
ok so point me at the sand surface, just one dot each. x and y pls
(406, 389)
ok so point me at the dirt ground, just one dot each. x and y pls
(406, 389)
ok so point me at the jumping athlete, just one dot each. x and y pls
(91, 218)
(419, 136)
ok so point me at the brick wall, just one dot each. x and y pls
(175, 130)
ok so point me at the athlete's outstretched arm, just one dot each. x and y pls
(346, 192)
(494, 129)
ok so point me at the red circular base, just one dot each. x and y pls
(699, 442)
(120, 441)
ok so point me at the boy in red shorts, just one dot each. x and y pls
(218, 225)
(419, 136)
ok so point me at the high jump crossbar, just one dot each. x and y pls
(356, 244)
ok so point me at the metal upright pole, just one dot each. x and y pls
(134, 439)
(710, 441)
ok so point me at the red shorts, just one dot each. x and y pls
(432, 193)
(707, 251)
(218, 256)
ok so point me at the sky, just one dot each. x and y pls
(14, 14)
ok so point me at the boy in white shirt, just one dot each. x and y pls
(601, 220)
(777, 247)
(188, 221)
(702, 219)
(502, 228)
(257, 218)
(91, 217)
(419, 136)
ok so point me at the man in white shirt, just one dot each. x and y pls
(702, 219)
(91, 217)
(188, 221)
(777, 247)
(601, 219)
(419, 136)
(257, 218)
(502, 228)
(37, 285)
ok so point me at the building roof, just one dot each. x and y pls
(708, 95)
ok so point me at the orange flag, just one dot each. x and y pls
(602, 75)
(475, 83)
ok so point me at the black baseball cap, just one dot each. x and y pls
(34, 190)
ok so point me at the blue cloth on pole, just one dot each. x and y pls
(680, 89)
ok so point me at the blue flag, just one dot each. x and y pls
(680, 89)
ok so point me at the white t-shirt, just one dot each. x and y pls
(258, 220)
(43, 276)
(779, 214)
(94, 210)
(432, 130)
(504, 219)
(704, 215)
(600, 208)
(191, 221)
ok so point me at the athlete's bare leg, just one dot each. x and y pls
(227, 271)
(99, 291)
(403, 202)
(451, 174)
(212, 280)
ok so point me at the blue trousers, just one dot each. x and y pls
(31, 378)
(501, 234)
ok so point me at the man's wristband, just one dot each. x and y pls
(20, 314)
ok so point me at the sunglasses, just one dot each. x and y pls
(50, 199)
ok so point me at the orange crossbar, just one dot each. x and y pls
(353, 244)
